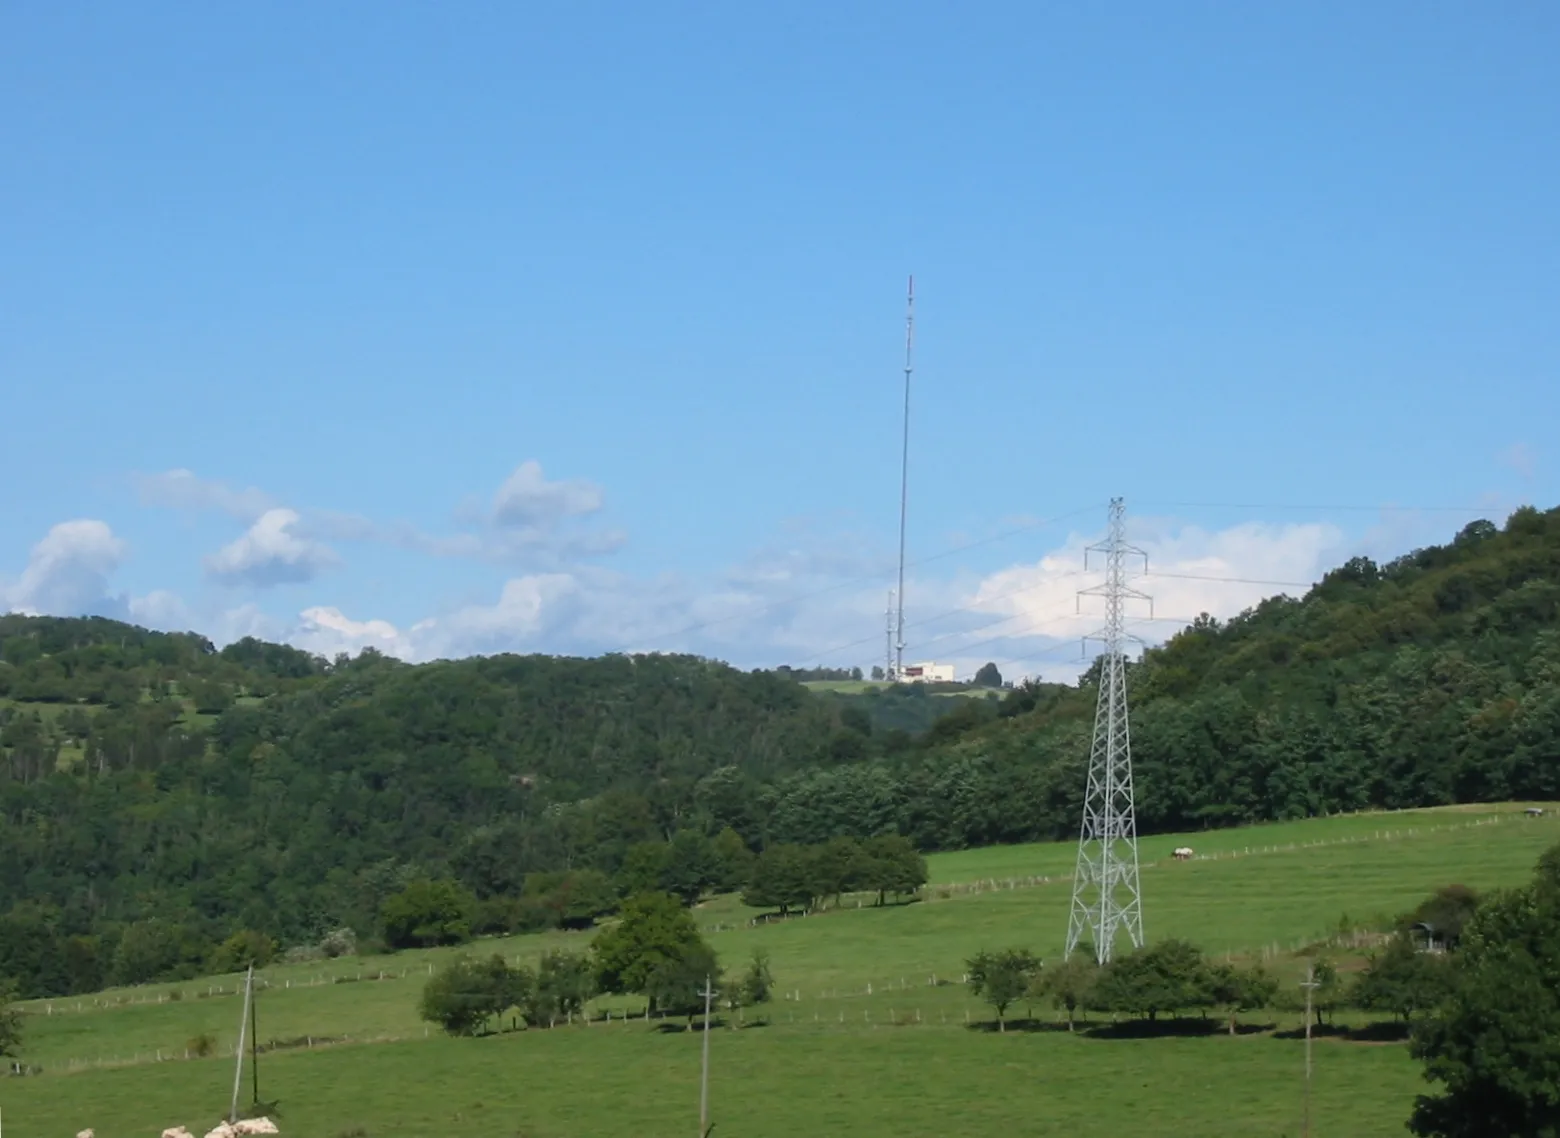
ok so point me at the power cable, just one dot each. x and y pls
(1228, 580)
(1282, 506)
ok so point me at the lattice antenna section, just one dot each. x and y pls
(897, 672)
(888, 652)
(1107, 900)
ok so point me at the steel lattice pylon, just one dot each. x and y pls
(1106, 897)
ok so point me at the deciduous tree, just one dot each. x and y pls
(1239, 990)
(654, 930)
(463, 994)
(426, 913)
(676, 985)
(1002, 976)
(1168, 977)
(1402, 980)
(1493, 1046)
(1068, 985)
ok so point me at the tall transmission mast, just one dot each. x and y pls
(1106, 897)
(904, 485)
(888, 636)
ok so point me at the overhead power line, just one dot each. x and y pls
(1340, 509)
(1230, 580)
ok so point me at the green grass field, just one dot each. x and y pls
(864, 1040)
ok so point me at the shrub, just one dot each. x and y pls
(241, 950)
(201, 1046)
(464, 993)
(563, 983)
(339, 942)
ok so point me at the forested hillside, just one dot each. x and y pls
(1429, 680)
(157, 796)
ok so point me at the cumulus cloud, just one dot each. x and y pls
(796, 604)
(271, 552)
(184, 490)
(528, 499)
(162, 610)
(325, 631)
(67, 572)
(533, 522)
(1032, 618)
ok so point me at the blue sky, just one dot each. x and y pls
(578, 327)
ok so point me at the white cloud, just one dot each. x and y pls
(271, 552)
(183, 490)
(327, 632)
(807, 599)
(1190, 571)
(162, 610)
(530, 524)
(528, 499)
(67, 572)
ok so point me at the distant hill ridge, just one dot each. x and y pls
(148, 780)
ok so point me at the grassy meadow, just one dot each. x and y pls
(875, 1033)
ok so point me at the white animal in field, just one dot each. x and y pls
(1183, 853)
(87, 1133)
(243, 1126)
(176, 1132)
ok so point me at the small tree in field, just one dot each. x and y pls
(1068, 985)
(1168, 977)
(677, 985)
(1237, 990)
(1326, 998)
(1402, 980)
(755, 986)
(1001, 977)
(655, 929)
(464, 993)
(564, 983)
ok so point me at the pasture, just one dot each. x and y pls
(876, 1034)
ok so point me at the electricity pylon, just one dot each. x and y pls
(1106, 897)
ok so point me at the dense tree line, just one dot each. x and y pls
(158, 796)
(655, 950)
(1429, 680)
(427, 912)
(1404, 979)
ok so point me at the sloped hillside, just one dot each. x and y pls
(1432, 679)
(157, 792)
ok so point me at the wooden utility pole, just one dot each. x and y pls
(254, 1037)
(1305, 1116)
(704, 1073)
(243, 1031)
